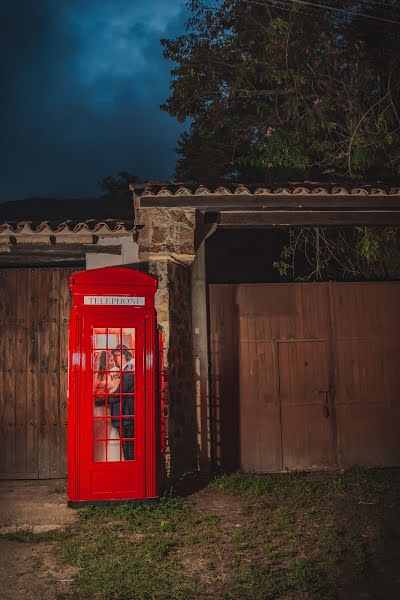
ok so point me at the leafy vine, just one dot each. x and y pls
(357, 253)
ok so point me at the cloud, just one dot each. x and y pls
(82, 82)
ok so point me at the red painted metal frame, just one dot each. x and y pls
(163, 390)
(89, 481)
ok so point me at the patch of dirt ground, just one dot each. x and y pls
(29, 571)
(229, 512)
(36, 505)
(220, 504)
(382, 580)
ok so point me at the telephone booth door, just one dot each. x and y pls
(113, 451)
(113, 441)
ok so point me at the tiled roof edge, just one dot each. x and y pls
(160, 190)
(69, 226)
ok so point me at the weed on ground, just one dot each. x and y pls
(247, 537)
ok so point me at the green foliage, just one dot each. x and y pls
(369, 245)
(360, 253)
(278, 90)
(117, 184)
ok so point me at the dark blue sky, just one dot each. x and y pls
(81, 85)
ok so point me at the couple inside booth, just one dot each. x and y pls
(113, 391)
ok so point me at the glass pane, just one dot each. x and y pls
(99, 429)
(123, 358)
(114, 376)
(99, 386)
(113, 428)
(113, 364)
(99, 451)
(113, 337)
(114, 454)
(127, 428)
(113, 440)
(128, 449)
(99, 337)
(128, 404)
(99, 360)
(128, 338)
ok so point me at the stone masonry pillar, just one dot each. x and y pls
(166, 244)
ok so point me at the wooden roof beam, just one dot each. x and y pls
(216, 203)
(284, 218)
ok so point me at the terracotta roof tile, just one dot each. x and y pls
(306, 188)
(91, 225)
(68, 215)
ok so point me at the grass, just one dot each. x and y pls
(293, 536)
(128, 551)
(28, 536)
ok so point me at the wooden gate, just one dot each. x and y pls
(316, 368)
(34, 313)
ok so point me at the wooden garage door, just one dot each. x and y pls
(34, 313)
(318, 383)
(366, 340)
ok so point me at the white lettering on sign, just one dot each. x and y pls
(114, 300)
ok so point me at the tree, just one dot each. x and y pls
(357, 253)
(114, 185)
(280, 89)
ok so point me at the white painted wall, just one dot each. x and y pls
(129, 253)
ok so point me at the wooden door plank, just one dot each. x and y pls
(9, 293)
(307, 434)
(33, 372)
(259, 394)
(2, 369)
(64, 315)
(53, 376)
(21, 322)
(248, 419)
(43, 385)
(367, 385)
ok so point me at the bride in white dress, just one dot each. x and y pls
(102, 428)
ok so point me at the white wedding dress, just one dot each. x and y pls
(105, 450)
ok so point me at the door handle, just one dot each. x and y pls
(326, 407)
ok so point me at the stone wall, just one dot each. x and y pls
(166, 244)
(167, 232)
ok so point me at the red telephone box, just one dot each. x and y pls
(113, 409)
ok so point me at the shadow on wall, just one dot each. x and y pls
(182, 417)
(174, 307)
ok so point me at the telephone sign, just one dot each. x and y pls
(114, 300)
